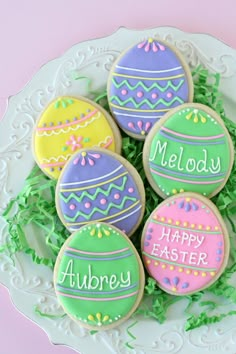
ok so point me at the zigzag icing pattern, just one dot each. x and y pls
(78, 126)
(98, 190)
(151, 105)
(146, 88)
(112, 216)
(107, 139)
(56, 159)
(103, 212)
(116, 220)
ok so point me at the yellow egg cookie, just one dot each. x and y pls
(69, 124)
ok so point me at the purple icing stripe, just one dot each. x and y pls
(155, 117)
(97, 253)
(149, 71)
(183, 180)
(121, 167)
(184, 174)
(98, 259)
(190, 142)
(95, 298)
(192, 136)
(98, 292)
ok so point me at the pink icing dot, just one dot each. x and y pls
(169, 95)
(117, 196)
(130, 190)
(72, 206)
(154, 95)
(124, 92)
(87, 205)
(103, 201)
(140, 94)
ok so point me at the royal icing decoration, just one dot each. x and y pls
(184, 247)
(99, 278)
(96, 186)
(146, 82)
(190, 150)
(69, 124)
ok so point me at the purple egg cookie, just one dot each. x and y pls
(98, 185)
(145, 82)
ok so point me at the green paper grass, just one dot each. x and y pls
(35, 206)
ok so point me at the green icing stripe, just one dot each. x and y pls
(151, 105)
(98, 190)
(183, 228)
(178, 264)
(103, 212)
(146, 88)
(188, 175)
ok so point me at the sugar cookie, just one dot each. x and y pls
(145, 82)
(185, 244)
(98, 185)
(68, 124)
(99, 277)
(190, 149)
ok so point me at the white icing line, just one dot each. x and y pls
(149, 71)
(113, 222)
(135, 115)
(92, 180)
(126, 216)
(54, 132)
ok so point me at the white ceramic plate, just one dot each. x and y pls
(30, 284)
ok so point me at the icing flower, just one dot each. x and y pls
(75, 142)
(187, 205)
(174, 282)
(63, 102)
(144, 129)
(196, 116)
(151, 44)
(85, 158)
(99, 232)
(98, 318)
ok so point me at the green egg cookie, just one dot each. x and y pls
(189, 150)
(99, 277)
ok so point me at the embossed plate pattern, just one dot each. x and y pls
(30, 284)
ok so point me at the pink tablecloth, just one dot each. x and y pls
(33, 32)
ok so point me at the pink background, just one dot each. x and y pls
(34, 32)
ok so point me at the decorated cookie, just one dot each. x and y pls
(99, 277)
(185, 244)
(67, 125)
(98, 185)
(145, 82)
(188, 150)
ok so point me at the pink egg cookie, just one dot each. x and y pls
(185, 244)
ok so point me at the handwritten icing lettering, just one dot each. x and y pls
(175, 255)
(176, 160)
(182, 237)
(91, 281)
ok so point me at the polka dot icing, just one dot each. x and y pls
(190, 150)
(96, 182)
(69, 124)
(188, 259)
(97, 268)
(155, 79)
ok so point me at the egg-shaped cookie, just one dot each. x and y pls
(185, 244)
(99, 277)
(190, 149)
(69, 124)
(99, 185)
(145, 82)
